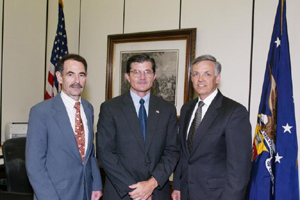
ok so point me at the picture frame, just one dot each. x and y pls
(173, 52)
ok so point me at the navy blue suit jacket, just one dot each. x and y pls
(219, 164)
(126, 157)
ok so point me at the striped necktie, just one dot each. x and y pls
(194, 126)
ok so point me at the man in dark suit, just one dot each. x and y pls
(215, 160)
(137, 138)
(60, 159)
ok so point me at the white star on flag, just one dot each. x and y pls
(277, 42)
(287, 128)
(277, 158)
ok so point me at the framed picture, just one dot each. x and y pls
(173, 52)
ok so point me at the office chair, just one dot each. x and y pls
(15, 196)
(14, 163)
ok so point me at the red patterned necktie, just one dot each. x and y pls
(79, 131)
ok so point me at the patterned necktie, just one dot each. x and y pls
(79, 131)
(143, 117)
(194, 126)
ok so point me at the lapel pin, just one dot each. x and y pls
(157, 111)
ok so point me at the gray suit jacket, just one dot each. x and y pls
(220, 162)
(126, 157)
(53, 162)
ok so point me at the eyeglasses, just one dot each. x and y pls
(138, 73)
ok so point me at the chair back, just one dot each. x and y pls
(15, 196)
(14, 163)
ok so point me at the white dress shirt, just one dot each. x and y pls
(69, 104)
(207, 101)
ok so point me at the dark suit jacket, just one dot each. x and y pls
(53, 162)
(125, 156)
(220, 162)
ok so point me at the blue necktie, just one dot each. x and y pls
(143, 117)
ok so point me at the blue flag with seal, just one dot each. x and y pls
(274, 161)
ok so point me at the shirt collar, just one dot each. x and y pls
(207, 101)
(68, 101)
(136, 98)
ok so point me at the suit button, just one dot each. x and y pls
(189, 163)
(82, 184)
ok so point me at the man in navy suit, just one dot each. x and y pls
(60, 161)
(215, 160)
(138, 157)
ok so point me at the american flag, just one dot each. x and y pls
(60, 48)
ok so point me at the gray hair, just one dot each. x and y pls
(207, 57)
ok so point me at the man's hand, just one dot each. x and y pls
(176, 195)
(143, 190)
(96, 195)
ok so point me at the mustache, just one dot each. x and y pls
(76, 85)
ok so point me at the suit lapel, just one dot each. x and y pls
(132, 118)
(153, 117)
(207, 121)
(186, 122)
(63, 122)
(89, 117)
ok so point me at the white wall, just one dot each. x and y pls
(98, 19)
(294, 39)
(223, 30)
(23, 58)
(142, 16)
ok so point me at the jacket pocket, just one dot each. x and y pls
(61, 185)
(215, 183)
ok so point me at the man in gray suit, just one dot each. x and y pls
(215, 138)
(60, 159)
(137, 138)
